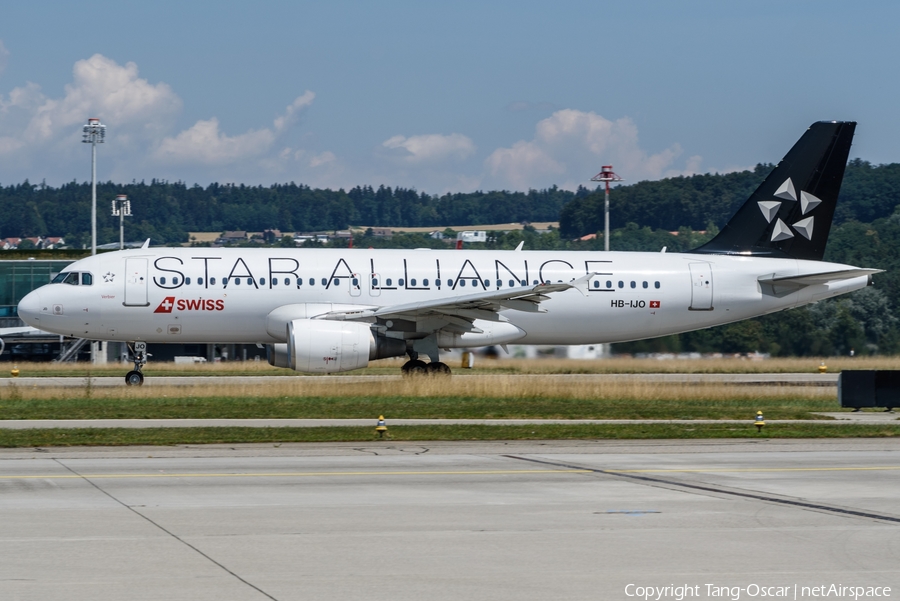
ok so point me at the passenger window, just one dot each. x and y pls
(355, 281)
(400, 282)
(487, 283)
(450, 283)
(324, 281)
(645, 284)
(608, 284)
(499, 283)
(187, 281)
(312, 282)
(199, 281)
(212, 281)
(621, 284)
(87, 279)
(336, 282)
(633, 284)
(412, 282)
(174, 281)
(224, 281)
(262, 281)
(275, 282)
(162, 280)
(287, 281)
(534, 283)
(524, 282)
(425, 282)
(375, 282)
(389, 281)
(656, 284)
(596, 284)
(237, 281)
(511, 284)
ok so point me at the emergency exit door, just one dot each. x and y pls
(136, 283)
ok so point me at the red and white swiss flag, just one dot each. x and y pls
(654, 304)
(166, 306)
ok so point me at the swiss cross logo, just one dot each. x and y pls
(654, 304)
(166, 306)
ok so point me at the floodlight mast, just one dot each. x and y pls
(606, 175)
(121, 208)
(93, 133)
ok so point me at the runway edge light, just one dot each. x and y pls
(759, 422)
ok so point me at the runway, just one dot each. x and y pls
(505, 520)
(795, 379)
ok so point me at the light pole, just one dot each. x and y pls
(93, 133)
(606, 175)
(121, 208)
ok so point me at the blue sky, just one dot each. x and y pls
(437, 96)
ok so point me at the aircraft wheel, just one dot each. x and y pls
(414, 368)
(134, 378)
(436, 368)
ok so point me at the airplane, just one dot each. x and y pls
(334, 310)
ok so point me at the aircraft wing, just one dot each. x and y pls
(18, 330)
(461, 311)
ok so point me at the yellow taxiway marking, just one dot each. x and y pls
(290, 474)
(755, 469)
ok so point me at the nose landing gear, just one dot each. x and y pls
(135, 377)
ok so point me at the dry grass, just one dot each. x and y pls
(489, 366)
(471, 387)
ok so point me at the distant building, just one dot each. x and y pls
(10, 243)
(472, 236)
(382, 232)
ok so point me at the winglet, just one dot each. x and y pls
(146, 243)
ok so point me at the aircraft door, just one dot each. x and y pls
(136, 283)
(701, 287)
(355, 285)
(374, 284)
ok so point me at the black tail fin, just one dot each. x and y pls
(790, 214)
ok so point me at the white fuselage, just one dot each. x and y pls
(203, 295)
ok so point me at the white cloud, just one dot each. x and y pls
(322, 159)
(570, 146)
(205, 144)
(430, 148)
(135, 110)
(104, 89)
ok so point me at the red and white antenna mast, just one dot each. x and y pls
(606, 175)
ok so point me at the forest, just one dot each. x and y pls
(678, 213)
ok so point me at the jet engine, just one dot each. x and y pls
(324, 346)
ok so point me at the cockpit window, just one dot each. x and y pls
(59, 277)
(87, 279)
(71, 278)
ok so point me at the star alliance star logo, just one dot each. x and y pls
(108, 276)
(770, 208)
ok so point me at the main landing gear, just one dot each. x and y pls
(416, 367)
(135, 377)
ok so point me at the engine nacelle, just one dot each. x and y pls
(324, 346)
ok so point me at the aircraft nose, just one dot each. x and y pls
(30, 309)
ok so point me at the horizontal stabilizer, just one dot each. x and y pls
(783, 285)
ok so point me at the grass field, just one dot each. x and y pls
(494, 391)
(277, 436)
(485, 366)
